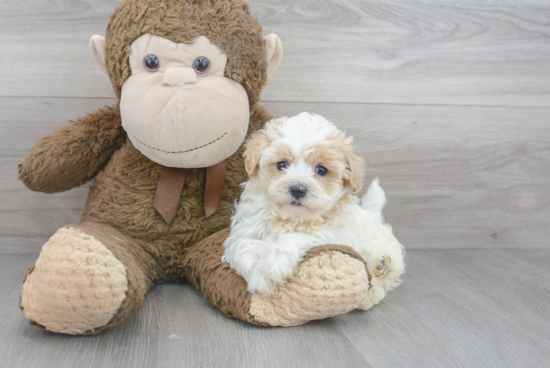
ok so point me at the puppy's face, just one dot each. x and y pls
(304, 165)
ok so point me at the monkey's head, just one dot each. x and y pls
(187, 73)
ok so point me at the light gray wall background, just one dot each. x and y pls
(449, 103)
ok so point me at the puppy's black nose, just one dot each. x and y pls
(298, 191)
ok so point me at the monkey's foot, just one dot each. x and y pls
(331, 280)
(76, 285)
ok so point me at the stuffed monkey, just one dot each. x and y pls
(166, 163)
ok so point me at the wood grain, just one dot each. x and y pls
(455, 176)
(463, 308)
(462, 52)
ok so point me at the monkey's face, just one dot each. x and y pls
(178, 108)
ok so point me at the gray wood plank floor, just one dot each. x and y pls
(467, 308)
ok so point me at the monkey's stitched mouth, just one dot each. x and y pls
(189, 150)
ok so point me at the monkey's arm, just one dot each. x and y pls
(73, 154)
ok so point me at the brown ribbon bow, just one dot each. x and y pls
(170, 186)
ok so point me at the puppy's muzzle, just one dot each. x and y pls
(298, 191)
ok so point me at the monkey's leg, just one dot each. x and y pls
(86, 279)
(331, 280)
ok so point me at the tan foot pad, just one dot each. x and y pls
(77, 284)
(329, 282)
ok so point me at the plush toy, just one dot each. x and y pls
(167, 165)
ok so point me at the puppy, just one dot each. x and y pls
(301, 194)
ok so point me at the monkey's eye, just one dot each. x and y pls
(151, 63)
(321, 170)
(282, 165)
(201, 65)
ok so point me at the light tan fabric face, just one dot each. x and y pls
(177, 117)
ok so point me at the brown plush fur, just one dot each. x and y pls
(73, 155)
(202, 266)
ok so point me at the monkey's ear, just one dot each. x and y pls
(97, 48)
(274, 52)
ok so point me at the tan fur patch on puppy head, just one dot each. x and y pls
(259, 141)
(304, 164)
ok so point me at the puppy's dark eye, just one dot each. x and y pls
(151, 63)
(282, 165)
(201, 64)
(321, 170)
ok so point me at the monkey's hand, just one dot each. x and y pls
(72, 155)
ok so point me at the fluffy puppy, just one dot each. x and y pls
(302, 191)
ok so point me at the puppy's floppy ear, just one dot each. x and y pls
(260, 141)
(353, 176)
(253, 152)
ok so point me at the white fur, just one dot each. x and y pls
(266, 260)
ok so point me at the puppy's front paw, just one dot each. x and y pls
(383, 266)
(257, 282)
(272, 269)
